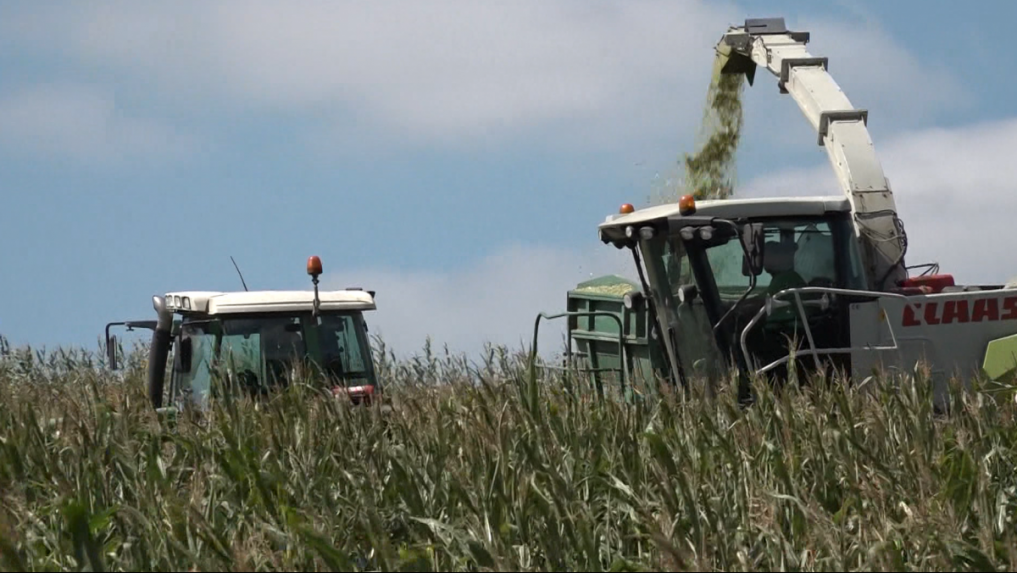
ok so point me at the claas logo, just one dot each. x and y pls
(960, 311)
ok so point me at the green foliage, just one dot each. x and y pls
(483, 467)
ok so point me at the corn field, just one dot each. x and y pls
(485, 467)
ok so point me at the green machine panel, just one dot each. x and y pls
(596, 337)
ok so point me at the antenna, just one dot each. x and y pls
(239, 273)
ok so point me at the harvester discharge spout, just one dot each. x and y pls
(729, 61)
(841, 129)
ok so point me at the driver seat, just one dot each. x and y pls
(779, 262)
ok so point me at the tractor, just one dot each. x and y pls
(258, 341)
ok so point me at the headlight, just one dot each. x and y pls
(632, 300)
(706, 233)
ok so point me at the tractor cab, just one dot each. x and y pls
(711, 270)
(257, 342)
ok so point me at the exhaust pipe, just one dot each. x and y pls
(158, 351)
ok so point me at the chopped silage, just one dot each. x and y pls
(620, 289)
(710, 172)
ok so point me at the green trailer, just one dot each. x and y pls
(609, 325)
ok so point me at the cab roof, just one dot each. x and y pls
(613, 228)
(215, 303)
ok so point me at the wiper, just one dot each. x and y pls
(741, 299)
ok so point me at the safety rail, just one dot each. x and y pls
(800, 305)
(568, 346)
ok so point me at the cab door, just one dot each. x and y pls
(681, 314)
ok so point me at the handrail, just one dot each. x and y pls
(815, 352)
(800, 308)
(568, 347)
(808, 329)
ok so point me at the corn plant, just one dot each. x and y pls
(489, 466)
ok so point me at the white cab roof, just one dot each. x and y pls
(213, 302)
(614, 226)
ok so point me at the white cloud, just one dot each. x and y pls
(605, 75)
(496, 299)
(954, 190)
(882, 76)
(83, 123)
(440, 69)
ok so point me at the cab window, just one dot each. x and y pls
(194, 380)
(795, 254)
(342, 345)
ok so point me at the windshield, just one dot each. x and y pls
(796, 253)
(807, 251)
(264, 352)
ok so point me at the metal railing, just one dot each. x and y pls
(775, 301)
(568, 347)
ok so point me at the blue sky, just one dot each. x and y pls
(454, 156)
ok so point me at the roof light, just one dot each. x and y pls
(687, 205)
(314, 269)
(626, 209)
(313, 266)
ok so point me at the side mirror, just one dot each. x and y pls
(182, 359)
(752, 240)
(111, 352)
(111, 340)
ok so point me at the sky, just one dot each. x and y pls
(454, 156)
